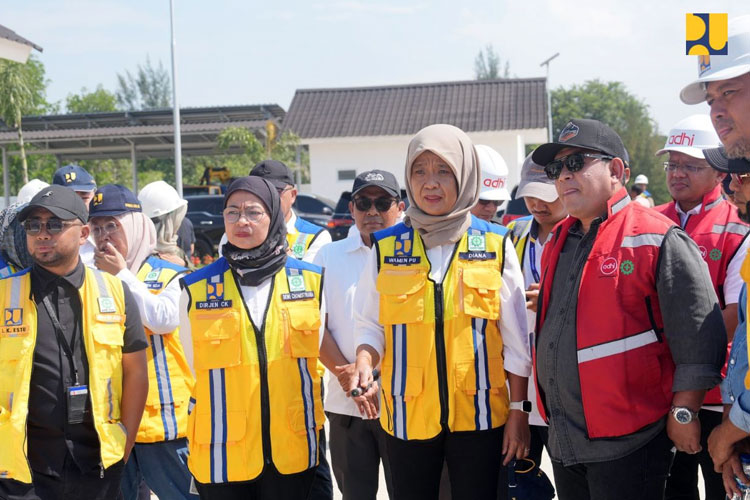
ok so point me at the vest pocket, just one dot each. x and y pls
(217, 341)
(401, 296)
(228, 428)
(490, 378)
(405, 386)
(302, 418)
(12, 349)
(108, 353)
(479, 292)
(302, 329)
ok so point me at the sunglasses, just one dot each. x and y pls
(497, 203)
(740, 178)
(54, 226)
(573, 162)
(381, 204)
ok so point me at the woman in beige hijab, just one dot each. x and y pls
(440, 307)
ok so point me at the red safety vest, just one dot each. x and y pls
(718, 232)
(625, 367)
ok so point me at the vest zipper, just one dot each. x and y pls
(442, 370)
(265, 403)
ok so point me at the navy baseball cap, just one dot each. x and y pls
(113, 199)
(75, 177)
(274, 171)
(62, 202)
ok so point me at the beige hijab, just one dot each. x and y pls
(454, 146)
(141, 237)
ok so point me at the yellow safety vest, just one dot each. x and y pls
(302, 237)
(103, 316)
(257, 397)
(170, 380)
(443, 359)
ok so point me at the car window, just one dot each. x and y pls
(307, 204)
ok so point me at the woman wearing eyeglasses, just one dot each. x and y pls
(251, 325)
(440, 307)
(125, 241)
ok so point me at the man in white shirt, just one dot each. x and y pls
(356, 443)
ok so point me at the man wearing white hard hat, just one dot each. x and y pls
(642, 182)
(494, 177)
(713, 223)
(28, 190)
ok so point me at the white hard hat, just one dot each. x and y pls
(27, 192)
(159, 198)
(691, 136)
(715, 68)
(640, 179)
(494, 174)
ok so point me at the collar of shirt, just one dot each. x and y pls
(290, 224)
(693, 211)
(353, 241)
(42, 279)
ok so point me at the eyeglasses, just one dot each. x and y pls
(284, 189)
(381, 204)
(54, 226)
(497, 203)
(233, 215)
(573, 162)
(740, 178)
(102, 231)
(688, 169)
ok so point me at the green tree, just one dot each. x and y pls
(628, 115)
(88, 102)
(22, 92)
(148, 89)
(487, 65)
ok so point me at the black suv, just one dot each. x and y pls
(313, 208)
(205, 212)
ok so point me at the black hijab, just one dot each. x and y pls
(257, 264)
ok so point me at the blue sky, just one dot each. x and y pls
(249, 52)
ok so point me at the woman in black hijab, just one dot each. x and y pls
(250, 326)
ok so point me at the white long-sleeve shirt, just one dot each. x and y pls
(255, 297)
(159, 313)
(512, 323)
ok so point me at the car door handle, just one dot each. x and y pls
(207, 222)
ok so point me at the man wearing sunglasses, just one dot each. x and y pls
(698, 207)
(629, 332)
(73, 379)
(357, 443)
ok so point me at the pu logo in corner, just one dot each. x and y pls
(706, 35)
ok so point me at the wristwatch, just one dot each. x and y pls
(683, 415)
(524, 406)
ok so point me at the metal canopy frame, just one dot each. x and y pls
(133, 134)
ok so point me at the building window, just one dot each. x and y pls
(347, 175)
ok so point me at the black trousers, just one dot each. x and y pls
(72, 484)
(357, 447)
(642, 475)
(322, 486)
(473, 460)
(271, 485)
(683, 477)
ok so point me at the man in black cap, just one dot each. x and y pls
(357, 444)
(304, 237)
(622, 364)
(73, 378)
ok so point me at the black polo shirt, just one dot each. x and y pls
(50, 437)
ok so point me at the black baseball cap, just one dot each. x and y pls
(378, 178)
(582, 133)
(113, 199)
(64, 203)
(74, 177)
(274, 171)
(717, 158)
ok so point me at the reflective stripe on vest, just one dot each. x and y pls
(616, 346)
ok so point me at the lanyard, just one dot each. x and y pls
(67, 348)
(532, 259)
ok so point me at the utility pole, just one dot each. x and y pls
(549, 96)
(175, 108)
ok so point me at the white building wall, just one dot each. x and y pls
(328, 156)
